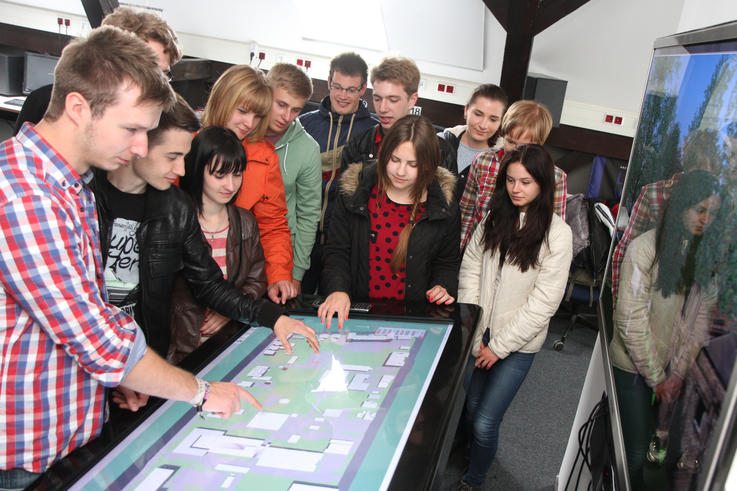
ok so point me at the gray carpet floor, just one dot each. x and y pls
(536, 427)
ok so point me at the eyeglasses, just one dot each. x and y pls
(348, 90)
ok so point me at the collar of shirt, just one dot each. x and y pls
(55, 167)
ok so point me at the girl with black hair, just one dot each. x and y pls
(661, 318)
(516, 267)
(213, 176)
(394, 233)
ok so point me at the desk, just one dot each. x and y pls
(11, 108)
(427, 442)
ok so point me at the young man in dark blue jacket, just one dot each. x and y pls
(341, 115)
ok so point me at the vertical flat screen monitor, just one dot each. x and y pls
(670, 314)
(39, 71)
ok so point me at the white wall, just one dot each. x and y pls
(704, 13)
(603, 49)
(593, 387)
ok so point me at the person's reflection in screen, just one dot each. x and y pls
(661, 318)
(702, 149)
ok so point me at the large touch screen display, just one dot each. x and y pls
(674, 282)
(334, 420)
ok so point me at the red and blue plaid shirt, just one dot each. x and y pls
(480, 185)
(60, 342)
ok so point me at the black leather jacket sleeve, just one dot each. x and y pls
(360, 148)
(210, 288)
(448, 156)
(446, 264)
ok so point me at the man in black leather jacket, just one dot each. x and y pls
(149, 233)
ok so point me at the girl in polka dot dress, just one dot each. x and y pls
(395, 230)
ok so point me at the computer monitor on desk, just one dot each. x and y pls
(39, 71)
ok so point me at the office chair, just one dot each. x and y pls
(589, 262)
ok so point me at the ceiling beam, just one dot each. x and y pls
(552, 11)
(500, 10)
(523, 20)
(96, 10)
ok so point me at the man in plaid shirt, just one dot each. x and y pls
(61, 342)
(524, 122)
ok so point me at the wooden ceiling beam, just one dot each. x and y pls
(523, 19)
(96, 10)
(551, 11)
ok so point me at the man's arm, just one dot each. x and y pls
(448, 156)
(353, 151)
(154, 376)
(560, 192)
(205, 278)
(467, 204)
(47, 266)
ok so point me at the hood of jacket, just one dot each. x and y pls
(358, 181)
(301, 141)
(294, 131)
(456, 130)
(499, 144)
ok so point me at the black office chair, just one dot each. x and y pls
(587, 269)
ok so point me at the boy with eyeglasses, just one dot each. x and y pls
(341, 115)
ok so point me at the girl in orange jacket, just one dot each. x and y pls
(240, 101)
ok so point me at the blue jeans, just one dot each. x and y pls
(490, 392)
(16, 479)
(637, 415)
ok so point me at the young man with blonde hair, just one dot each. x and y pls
(148, 26)
(54, 316)
(299, 160)
(524, 122)
(394, 82)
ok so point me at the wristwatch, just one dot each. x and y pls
(203, 391)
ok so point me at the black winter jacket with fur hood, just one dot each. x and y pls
(433, 252)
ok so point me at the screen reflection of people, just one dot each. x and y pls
(702, 149)
(661, 318)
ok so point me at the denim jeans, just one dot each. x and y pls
(16, 479)
(637, 414)
(490, 392)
